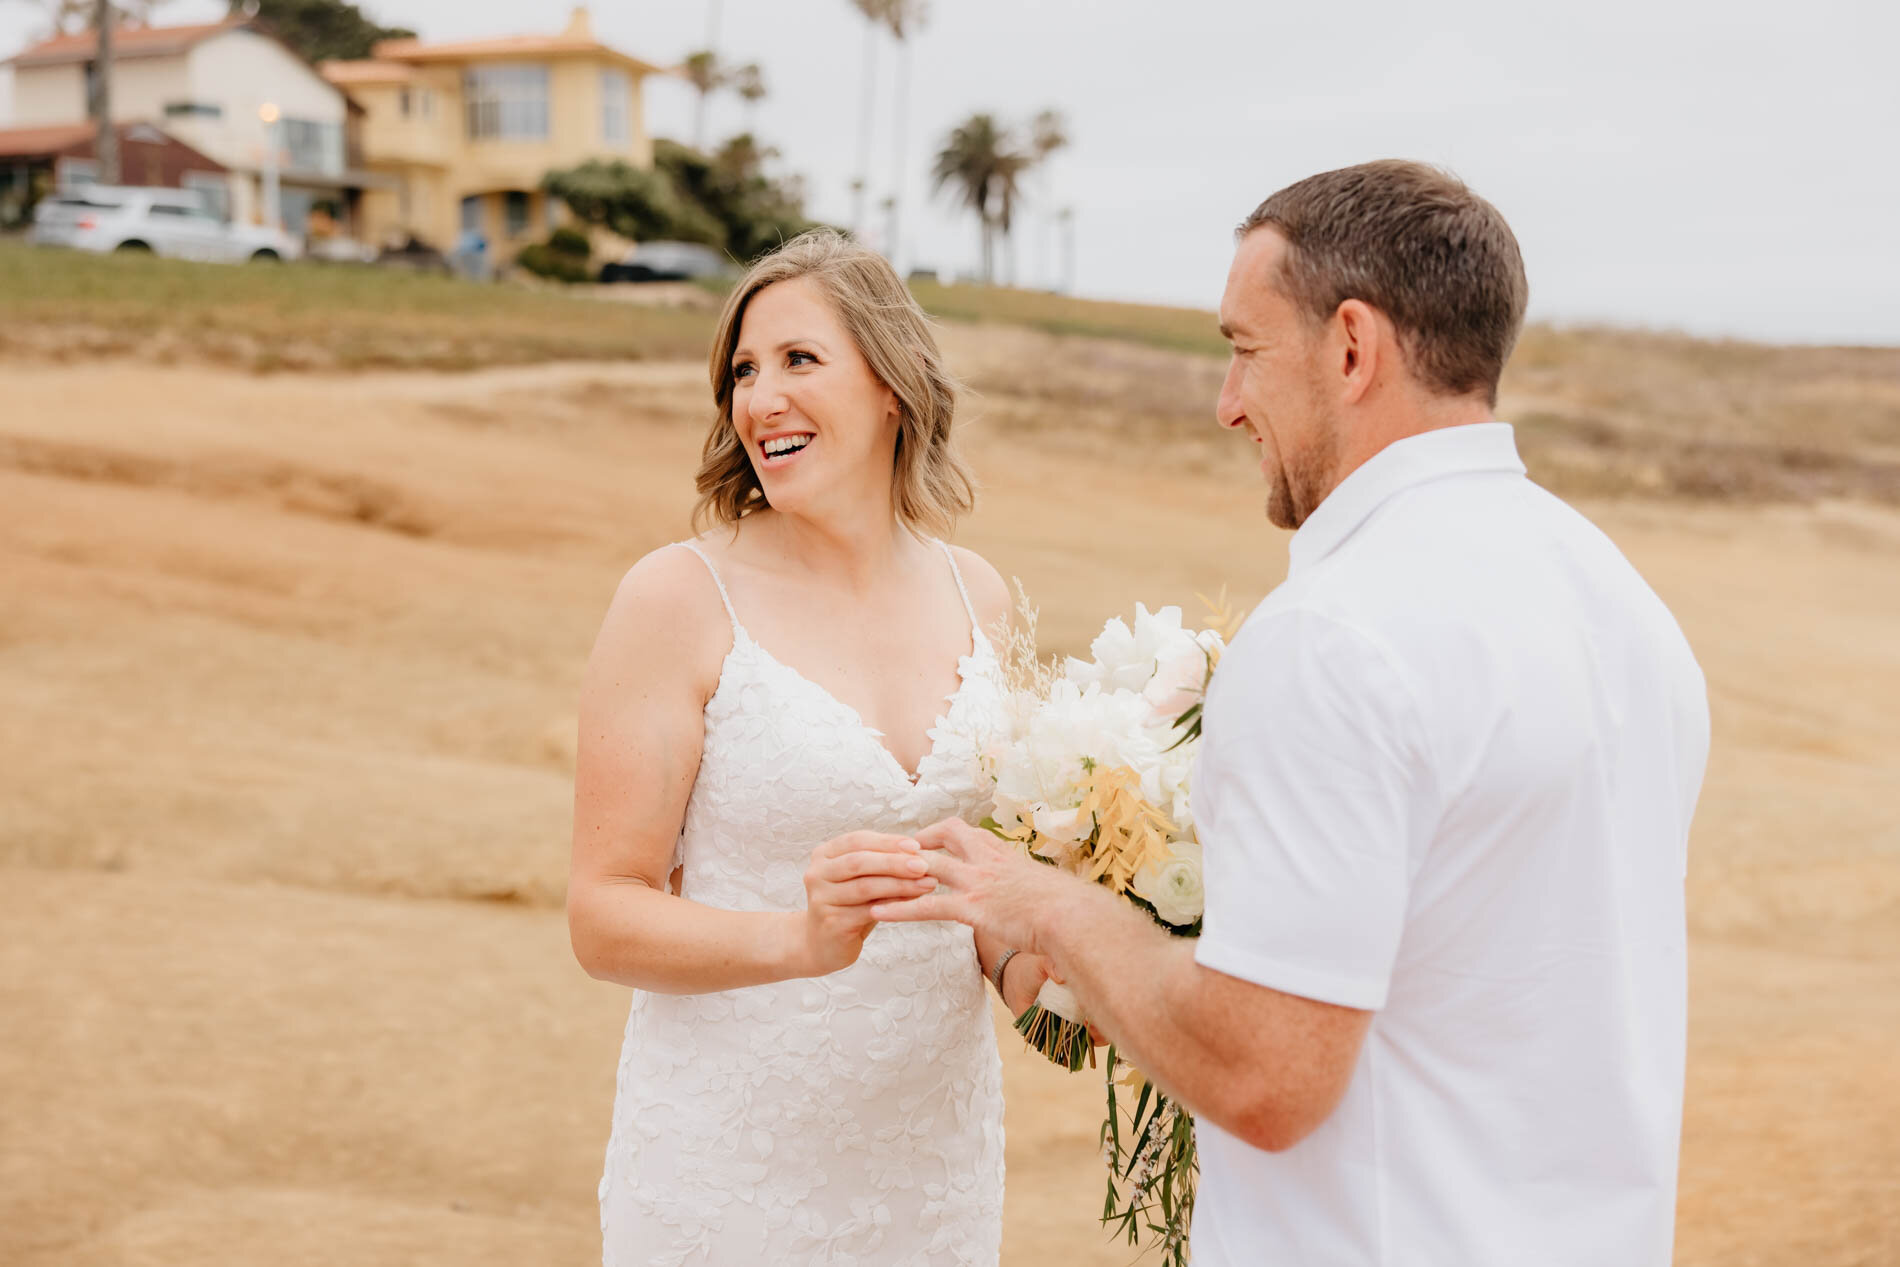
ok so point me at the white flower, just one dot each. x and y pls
(1066, 825)
(1047, 765)
(1174, 886)
(1178, 681)
(1126, 659)
(1177, 765)
(1059, 1000)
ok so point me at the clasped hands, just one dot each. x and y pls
(948, 871)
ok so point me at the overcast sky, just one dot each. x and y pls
(1721, 167)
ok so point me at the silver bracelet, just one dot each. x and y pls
(996, 973)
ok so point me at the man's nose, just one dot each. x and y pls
(1228, 410)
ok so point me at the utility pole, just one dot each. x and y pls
(101, 103)
(273, 198)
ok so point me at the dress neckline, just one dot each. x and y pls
(979, 646)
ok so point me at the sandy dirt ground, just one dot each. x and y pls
(287, 669)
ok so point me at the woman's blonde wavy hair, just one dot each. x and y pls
(930, 485)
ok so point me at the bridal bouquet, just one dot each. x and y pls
(1091, 775)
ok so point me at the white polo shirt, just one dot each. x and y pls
(1447, 777)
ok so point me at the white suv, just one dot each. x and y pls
(170, 222)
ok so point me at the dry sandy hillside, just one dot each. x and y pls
(287, 667)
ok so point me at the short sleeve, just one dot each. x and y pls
(1310, 798)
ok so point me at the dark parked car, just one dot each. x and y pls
(666, 262)
(416, 256)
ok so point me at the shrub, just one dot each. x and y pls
(726, 199)
(543, 260)
(567, 241)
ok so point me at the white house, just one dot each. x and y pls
(226, 89)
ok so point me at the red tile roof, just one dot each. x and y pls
(367, 72)
(130, 41)
(506, 47)
(39, 142)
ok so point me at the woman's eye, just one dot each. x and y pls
(800, 358)
(742, 370)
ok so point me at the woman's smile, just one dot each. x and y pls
(776, 452)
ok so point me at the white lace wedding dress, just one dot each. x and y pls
(850, 1119)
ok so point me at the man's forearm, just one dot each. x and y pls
(1141, 987)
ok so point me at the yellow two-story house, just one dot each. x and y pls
(467, 130)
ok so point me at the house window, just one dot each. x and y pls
(616, 96)
(71, 173)
(403, 97)
(312, 147)
(507, 103)
(193, 110)
(427, 100)
(517, 210)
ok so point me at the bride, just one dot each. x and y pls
(792, 1088)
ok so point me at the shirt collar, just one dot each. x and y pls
(1462, 450)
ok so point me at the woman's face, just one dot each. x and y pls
(817, 423)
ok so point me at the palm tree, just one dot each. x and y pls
(874, 12)
(1048, 132)
(749, 82)
(981, 166)
(705, 74)
(903, 18)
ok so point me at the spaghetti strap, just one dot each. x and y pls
(957, 572)
(738, 630)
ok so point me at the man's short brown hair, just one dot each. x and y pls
(1418, 245)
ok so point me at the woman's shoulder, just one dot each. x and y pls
(667, 608)
(676, 579)
(989, 593)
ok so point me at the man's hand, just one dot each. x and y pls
(844, 877)
(987, 884)
(1023, 976)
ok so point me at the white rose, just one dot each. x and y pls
(1174, 886)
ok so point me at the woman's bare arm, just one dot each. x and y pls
(654, 664)
(995, 609)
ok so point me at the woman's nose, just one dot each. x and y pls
(765, 401)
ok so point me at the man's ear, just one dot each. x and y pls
(1363, 344)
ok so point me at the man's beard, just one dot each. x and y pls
(1302, 483)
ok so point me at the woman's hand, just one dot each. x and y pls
(845, 877)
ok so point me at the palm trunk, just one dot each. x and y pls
(712, 46)
(900, 115)
(108, 142)
(864, 126)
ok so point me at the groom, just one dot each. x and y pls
(1437, 1013)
